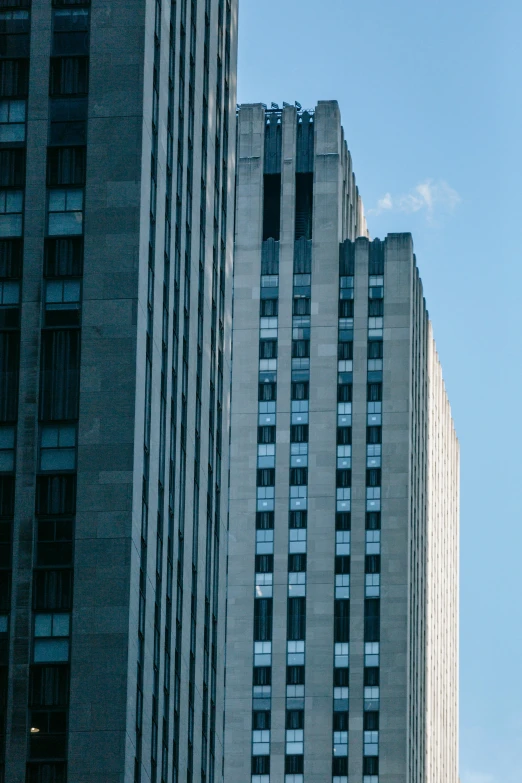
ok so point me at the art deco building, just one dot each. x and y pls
(117, 140)
(342, 634)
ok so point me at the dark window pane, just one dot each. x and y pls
(64, 257)
(49, 686)
(9, 361)
(7, 487)
(12, 168)
(66, 166)
(14, 78)
(59, 375)
(69, 76)
(55, 495)
(11, 253)
(68, 119)
(52, 590)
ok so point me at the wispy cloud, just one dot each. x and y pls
(430, 196)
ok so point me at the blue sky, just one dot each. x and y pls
(430, 97)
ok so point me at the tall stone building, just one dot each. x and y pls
(117, 141)
(342, 633)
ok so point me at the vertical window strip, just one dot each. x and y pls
(147, 489)
(343, 516)
(298, 503)
(179, 358)
(371, 703)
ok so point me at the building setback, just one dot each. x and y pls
(342, 636)
(117, 140)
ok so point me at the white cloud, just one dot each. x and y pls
(431, 196)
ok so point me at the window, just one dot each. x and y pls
(54, 543)
(5, 544)
(9, 305)
(51, 637)
(71, 31)
(371, 654)
(64, 257)
(14, 33)
(268, 349)
(372, 585)
(299, 433)
(52, 590)
(268, 328)
(303, 205)
(69, 76)
(65, 212)
(66, 166)
(372, 624)
(345, 351)
(59, 374)
(341, 660)
(371, 768)
(62, 302)
(301, 305)
(300, 349)
(296, 621)
(264, 542)
(262, 682)
(341, 621)
(266, 455)
(373, 455)
(342, 585)
(340, 742)
(300, 391)
(298, 455)
(14, 78)
(12, 121)
(297, 540)
(346, 306)
(266, 477)
(68, 121)
(263, 620)
(299, 411)
(269, 281)
(342, 542)
(46, 772)
(48, 734)
(57, 447)
(371, 697)
(262, 653)
(269, 307)
(344, 457)
(48, 686)
(11, 210)
(373, 542)
(260, 768)
(294, 742)
(264, 585)
(271, 206)
(7, 449)
(296, 583)
(261, 743)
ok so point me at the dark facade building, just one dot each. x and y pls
(342, 635)
(117, 139)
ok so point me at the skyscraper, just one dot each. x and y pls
(343, 557)
(117, 139)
